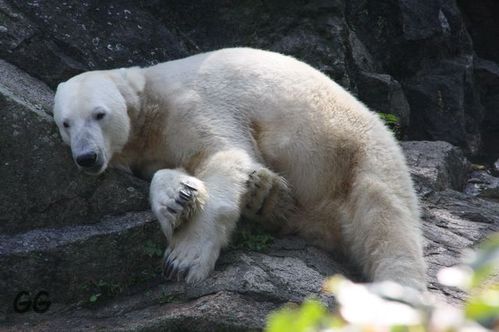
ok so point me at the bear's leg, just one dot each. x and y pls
(383, 235)
(175, 198)
(195, 247)
(268, 199)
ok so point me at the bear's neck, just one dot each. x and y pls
(145, 151)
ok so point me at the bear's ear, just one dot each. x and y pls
(131, 83)
(135, 78)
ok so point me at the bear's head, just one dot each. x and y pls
(91, 112)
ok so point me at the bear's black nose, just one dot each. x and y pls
(87, 159)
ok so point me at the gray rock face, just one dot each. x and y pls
(436, 166)
(384, 94)
(487, 73)
(483, 184)
(71, 263)
(481, 16)
(453, 222)
(445, 103)
(412, 59)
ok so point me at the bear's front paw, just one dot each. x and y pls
(189, 257)
(175, 199)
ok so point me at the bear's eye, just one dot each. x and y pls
(65, 124)
(100, 115)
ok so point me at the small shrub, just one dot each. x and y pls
(252, 239)
(103, 289)
(153, 249)
(392, 122)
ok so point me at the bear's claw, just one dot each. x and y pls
(172, 270)
(268, 199)
(185, 199)
(190, 254)
(189, 186)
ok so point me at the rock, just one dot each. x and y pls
(74, 36)
(41, 186)
(487, 73)
(481, 22)
(384, 94)
(454, 222)
(436, 166)
(71, 263)
(445, 104)
(279, 274)
(426, 48)
(482, 184)
(224, 311)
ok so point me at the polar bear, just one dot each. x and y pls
(244, 131)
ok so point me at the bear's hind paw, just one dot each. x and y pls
(268, 199)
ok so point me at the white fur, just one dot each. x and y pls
(218, 117)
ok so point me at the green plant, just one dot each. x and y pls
(94, 297)
(440, 101)
(252, 239)
(300, 319)
(168, 298)
(103, 289)
(392, 122)
(153, 249)
(479, 277)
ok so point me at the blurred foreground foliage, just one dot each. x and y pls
(390, 307)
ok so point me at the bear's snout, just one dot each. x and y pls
(87, 159)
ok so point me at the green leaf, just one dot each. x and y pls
(94, 297)
(484, 306)
(280, 321)
(389, 118)
(152, 249)
(310, 316)
(392, 122)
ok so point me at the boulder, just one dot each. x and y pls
(445, 104)
(436, 166)
(385, 95)
(481, 19)
(482, 184)
(74, 263)
(487, 73)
